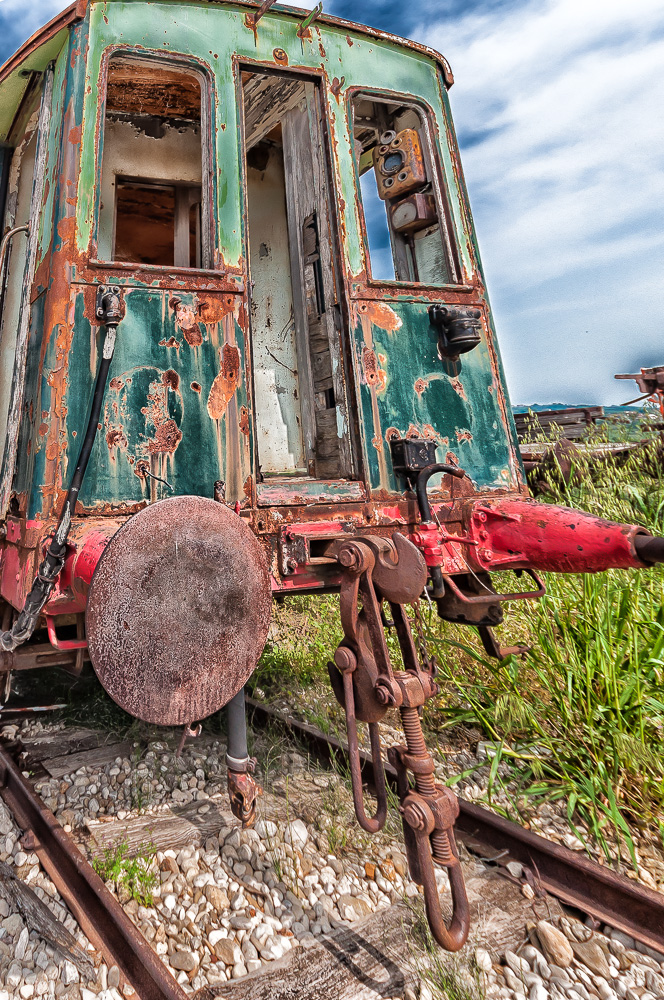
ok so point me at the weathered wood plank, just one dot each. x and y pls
(39, 918)
(181, 826)
(70, 740)
(95, 757)
(359, 963)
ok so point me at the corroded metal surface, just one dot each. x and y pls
(178, 610)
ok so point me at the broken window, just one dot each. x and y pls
(153, 202)
(299, 391)
(406, 228)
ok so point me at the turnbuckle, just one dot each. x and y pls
(377, 570)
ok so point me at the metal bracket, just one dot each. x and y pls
(293, 551)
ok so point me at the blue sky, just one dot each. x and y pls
(558, 108)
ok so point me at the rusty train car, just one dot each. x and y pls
(246, 350)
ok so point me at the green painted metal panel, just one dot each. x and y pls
(162, 385)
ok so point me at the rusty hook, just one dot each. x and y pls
(346, 662)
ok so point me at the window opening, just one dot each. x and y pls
(152, 198)
(407, 233)
(298, 383)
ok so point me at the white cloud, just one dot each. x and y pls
(560, 106)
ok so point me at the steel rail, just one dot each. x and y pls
(97, 911)
(569, 876)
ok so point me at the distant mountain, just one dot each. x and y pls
(536, 407)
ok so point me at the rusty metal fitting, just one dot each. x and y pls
(345, 659)
(413, 687)
(243, 793)
(444, 806)
(354, 557)
(388, 693)
(417, 813)
(415, 763)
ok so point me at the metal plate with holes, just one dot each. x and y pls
(178, 610)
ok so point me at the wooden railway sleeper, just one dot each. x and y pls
(378, 571)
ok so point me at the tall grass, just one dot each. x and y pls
(581, 717)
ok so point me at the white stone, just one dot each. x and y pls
(483, 959)
(22, 944)
(296, 833)
(69, 974)
(518, 965)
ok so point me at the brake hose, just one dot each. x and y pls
(109, 311)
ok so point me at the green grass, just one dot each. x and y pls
(134, 874)
(581, 717)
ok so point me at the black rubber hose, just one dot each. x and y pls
(649, 549)
(237, 752)
(54, 560)
(421, 486)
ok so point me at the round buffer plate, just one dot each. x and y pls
(178, 610)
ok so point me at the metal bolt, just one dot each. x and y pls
(383, 695)
(414, 815)
(345, 659)
(292, 563)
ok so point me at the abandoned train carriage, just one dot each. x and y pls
(246, 349)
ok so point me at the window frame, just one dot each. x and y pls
(434, 160)
(206, 79)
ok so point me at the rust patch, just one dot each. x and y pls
(336, 86)
(115, 438)
(349, 41)
(186, 319)
(463, 435)
(377, 443)
(213, 310)
(43, 429)
(171, 342)
(373, 373)
(171, 379)
(75, 135)
(392, 433)
(224, 386)
(431, 435)
(116, 384)
(420, 385)
(244, 420)
(382, 315)
(167, 437)
(457, 385)
(196, 386)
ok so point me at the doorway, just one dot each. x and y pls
(299, 386)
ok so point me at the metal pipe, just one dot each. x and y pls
(6, 240)
(649, 549)
(237, 752)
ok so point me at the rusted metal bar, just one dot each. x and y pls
(253, 19)
(97, 911)
(309, 19)
(627, 906)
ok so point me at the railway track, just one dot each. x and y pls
(549, 868)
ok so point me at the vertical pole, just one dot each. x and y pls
(237, 753)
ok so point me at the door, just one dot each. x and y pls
(301, 405)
